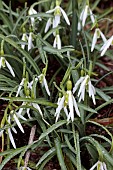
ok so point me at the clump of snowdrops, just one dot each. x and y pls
(53, 35)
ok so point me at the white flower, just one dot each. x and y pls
(83, 16)
(57, 42)
(24, 38)
(4, 62)
(100, 166)
(43, 81)
(83, 83)
(67, 100)
(106, 45)
(33, 12)
(97, 35)
(56, 21)
(30, 39)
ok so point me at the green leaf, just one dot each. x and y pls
(60, 154)
(12, 153)
(102, 95)
(49, 153)
(87, 108)
(52, 128)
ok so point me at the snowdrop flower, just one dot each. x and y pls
(97, 35)
(83, 83)
(43, 81)
(24, 38)
(30, 39)
(56, 21)
(100, 166)
(4, 62)
(57, 42)
(33, 12)
(67, 100)
(106, 45)
(84, 15)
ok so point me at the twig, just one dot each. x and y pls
(27, 156)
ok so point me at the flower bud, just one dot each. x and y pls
(69, 85)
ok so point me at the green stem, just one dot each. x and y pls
(74, 22)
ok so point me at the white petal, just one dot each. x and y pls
(58, 42)
(76, 107)
(28, 113)
(48, 24)
(20, 116)
(91, 16)
(20, 86)
(106, 46)
(56, 21)
(50, 11)
(1, 132)
(66, 111)
(55, 43)
(85, 15)
(70, 104)
(14, 130)
(11, 138)
(36, 106)
(10, 68)
(103, 37)
(65, 16)
(59, 108)
(104, 166)
(94, 40)
(18, 123)
(93, 167)
(30, 44)
(46, 86)
(77, 84)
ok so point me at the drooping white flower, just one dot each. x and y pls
(32, 11)
(30, 41)
(25, 39)
(43, 81)
(57, 42)
(56, 20)
(83, 16)
(100, 166)
(106, 45)
(69, 101)
(84, 83)
(4, 62)
(97, 35)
